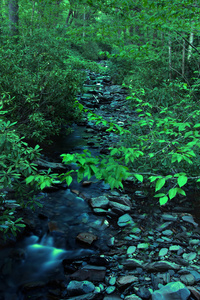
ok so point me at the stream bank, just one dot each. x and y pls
(88, 242)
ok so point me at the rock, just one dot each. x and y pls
(125, 199)
(196, 275)
(47, 164)
(11, 204)
(194, 242)
(100, 211)
(189, 219)
(76, 288)
(172, 291)
(119, 206)
(75, 192)
(187, 279)
(143, 246)
(133, 263)
(194, 292)
(169, 217)
(144, 293)
(167, 232)
(112, 280)
(99, 202)
(131, 250)
(86, 183)
(126, 280)
(91, 273)
(88, 296)
(110, 289)
(112, 297)
(174, 248)
(53, 227)
(163, 226)
(162, 266)
(125, 220)
(86, 238)
(132, 297)
(163, 252)
(189, 256)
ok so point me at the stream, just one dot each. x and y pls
(88, 242)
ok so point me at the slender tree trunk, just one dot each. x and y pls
(170, 60)
(84, 23)
(191, 40)
(183, 59)
(32, 15)
(13, 17)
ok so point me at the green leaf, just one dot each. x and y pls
(172, 193)
(139, 177)
(29, 179)
(159, 195)
(163, 200)
(69, 180)
(113, 151)
(159, 184)
(180, 191)
(182, 180)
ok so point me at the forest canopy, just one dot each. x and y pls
(152, 49)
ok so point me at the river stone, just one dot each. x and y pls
(112, 280)
(190, 220)
(189, 256)
(125, 280)
(187, 279)
(167, 232)
(132, 297)
(163, 226)
(144, 293)
(172, 291)
(169, 217)
(110, 289)
(125, 220)
(119, 206)
(134, 237)
(196, 275)
(100, 211)
(143, 246)
(91, 273)
(174, 248)
(88, 296)
(125, 200)
(86, 238)
(99, 202)
(133, 263)
(194, 242)
(162, 266)
(131, 250)
(112, 297)
(163, 252)
(76, 288)
(194, 292)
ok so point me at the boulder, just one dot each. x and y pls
(99, 202)
(172, 291)
(76, 288)
(86, 238)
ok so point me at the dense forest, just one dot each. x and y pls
(151, 48)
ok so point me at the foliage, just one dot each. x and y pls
(16, 163)
(42, 80)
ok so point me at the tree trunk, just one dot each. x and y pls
(170, 60)
(183, 59)
(190, 46)
(13, 17)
